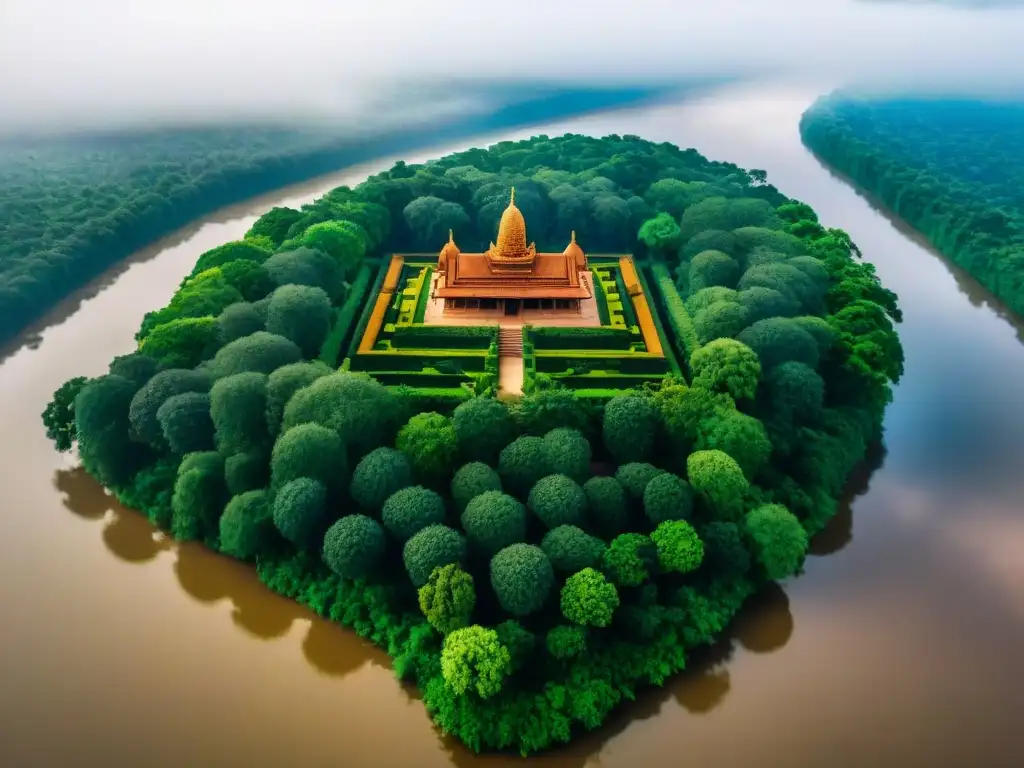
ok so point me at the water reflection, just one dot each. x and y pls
(838, 532)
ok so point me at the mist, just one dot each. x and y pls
(72, 64)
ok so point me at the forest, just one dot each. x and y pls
(73, 205)
(528, 564)
(952, 169)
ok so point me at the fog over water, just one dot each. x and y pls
(76, 64)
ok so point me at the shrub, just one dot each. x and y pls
(566, 641)
(570, 549)
(199, 496)
(249, 278)
(410, 510)
(353, 546)
(606, 500)
(522, 463)
(473, 659)
(667, 497)
(247, 526)
(471, 480)
(309, 450)
(780, 542)
(428, 439)
(721, 320)
(795, 393)
(568, 453)
(719, 482)
(711, 240)
(343, 241)
(300, 511)
(379, 474)
(236, 250)
(483, 426)
(285, 382)
(519, 641)
(135, 366)
(493, 520)
(558, 500)
(778, 340)
(540, 412)
(185, 422)
(247, 471)
(634, 477)
(522, 578)
(629, 427)
(678, 545)
(741, 436)
(710, 268)
(237, 321)
(629, 559)
(146, 402)
(238, 407)
(259, 352)
(309, 267)
(183, 342)
(588, 599)
(705, 297)
(447, 599)
(726, 365)
(430, 548)
(724, 552)
(761, 303)
(302, 314)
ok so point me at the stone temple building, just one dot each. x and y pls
(511, 276)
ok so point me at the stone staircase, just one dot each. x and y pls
(510, 342)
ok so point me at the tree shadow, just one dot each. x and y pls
(765, 624)
(337, 652)
(838, 532)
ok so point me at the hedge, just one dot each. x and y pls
(633, 364)
(627, 302)
(415, 361)
(671, 303)
(605, 381)
(600, 298)
(441, 400)
(424, 295)
(445, 336)
(344, 316)
(555, 337)
(364, 319)
(420, 380)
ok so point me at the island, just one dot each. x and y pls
(539, 477)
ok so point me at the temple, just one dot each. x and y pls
(511, 276)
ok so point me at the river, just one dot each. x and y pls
(899, 645)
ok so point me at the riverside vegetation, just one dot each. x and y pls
(952, 169)
(529, 565)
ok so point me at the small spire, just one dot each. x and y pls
(451, 236)
(573, 239)
(512, 201)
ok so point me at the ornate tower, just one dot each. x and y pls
(511, 250)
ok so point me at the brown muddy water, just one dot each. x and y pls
(900, 645)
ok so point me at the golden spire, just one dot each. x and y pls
(451, 236)
(572, 239)
(574, 251)
(511, 241)
(449, 251)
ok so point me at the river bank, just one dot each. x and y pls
(899, 643)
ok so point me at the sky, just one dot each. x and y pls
(78, 63)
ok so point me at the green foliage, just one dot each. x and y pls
(247, 471)
(236, 250)
(249, 278)
(705, 297)
(429, 440)
(205, 295)
(724, 550)
(679, 547)
(667, 497)
(135, 366)
(778, 340)
(307, 267)
(473, 659)
(310, 450)
(558, 500)
(711, 240)
(238, 320)
(741, 436)
(540, 412)
(795, 393)
(606, 500)
(588, 599)
(302, 314)
(568, 453)
(285, 382)
(364, 413)
(430, 548)
(721, 320)
(629, 559)
(471, 480)
(566, 642)
(519, 641)
(145, 403)
(570, 549)
(410, 510)
(710, 268)
(379, 474)
(343, 241)
(683, 409)
(102, 424)
(448, 598)
(247, 525)
(353, 546)
(726, 365)
(780, 542)
(259, 352)
(522, 463)
(300, 511)
(629, 428)
(719, 213)
(182, 342)
(429, 218)
(493, 520)
(199, 496)
(59, 416)
(238, 407)
(661, 235)
(522, 578)
(635, 476)
(760, 303)
(719, 483)
(185, 422)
